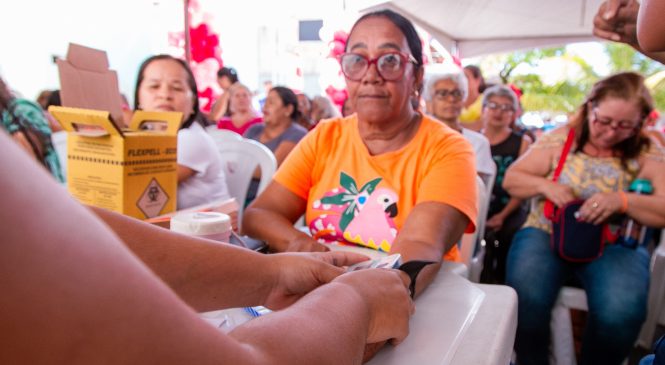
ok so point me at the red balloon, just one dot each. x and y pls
(336, 49)
(341, 36)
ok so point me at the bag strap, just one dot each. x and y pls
(548, 208)
(608, 235)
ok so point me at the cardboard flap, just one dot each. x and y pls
(166, 122)
(86, 81)
(75, 120)
(85, 58)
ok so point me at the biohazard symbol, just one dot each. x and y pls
(153, 199)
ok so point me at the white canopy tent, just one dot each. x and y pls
(469, 28)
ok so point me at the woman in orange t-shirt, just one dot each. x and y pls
(386, 177)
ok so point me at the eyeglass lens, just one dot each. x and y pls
(390, 66)
(502, 107)
(443, 93)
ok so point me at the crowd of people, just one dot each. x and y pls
(394, 170)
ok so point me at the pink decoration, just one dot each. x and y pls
(337, 47)
(338, 96)
(205, 53)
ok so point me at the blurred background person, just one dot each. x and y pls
(242, 112)
(470, 117)
(305, 108)
(165, 83)
(53, 99)
(445, 92)
(279, 131)
(506, 214)
(42, 98)
(226, 76)
(323, 108)
(28, 126)
(609, 151)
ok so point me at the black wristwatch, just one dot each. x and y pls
(412, 268)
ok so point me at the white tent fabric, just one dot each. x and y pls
(471, 28)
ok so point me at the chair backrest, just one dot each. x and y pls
(470, 240)
(489, 185)
(220, 135)
(241, 158)
(656, 299)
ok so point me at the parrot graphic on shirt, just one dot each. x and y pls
(362, 216)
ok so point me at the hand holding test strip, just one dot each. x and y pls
(388, 262)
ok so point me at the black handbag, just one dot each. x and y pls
(571, 239)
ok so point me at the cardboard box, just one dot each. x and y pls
(131, 171)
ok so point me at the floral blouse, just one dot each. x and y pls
(27, 117)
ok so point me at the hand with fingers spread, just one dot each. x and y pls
(599, 207)
(388, 302)
(616, 20)
(559, 194)
(300, 273)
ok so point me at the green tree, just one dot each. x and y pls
(566, 95)
(530, 57)
(561, 97)
(626, 58)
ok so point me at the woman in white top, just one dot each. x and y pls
(165, 83)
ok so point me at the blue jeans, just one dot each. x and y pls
(616, 285)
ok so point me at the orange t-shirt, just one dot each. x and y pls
(354, 197)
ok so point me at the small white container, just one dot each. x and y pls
(211, 225)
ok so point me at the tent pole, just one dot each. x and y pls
(188, 50)
(455, 50)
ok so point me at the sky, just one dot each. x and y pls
(131, 30)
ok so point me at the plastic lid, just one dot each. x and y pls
(641, 186)
(201, 223)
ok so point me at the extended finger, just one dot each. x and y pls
(314, 247)
(628, 13)
(341, 258)
(605, 34)
(612, 7)
(600, 217)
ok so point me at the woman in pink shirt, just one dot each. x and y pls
(243, 114)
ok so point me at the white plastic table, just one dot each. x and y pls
(456, 322)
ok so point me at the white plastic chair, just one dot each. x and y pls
(220, 135)
(471, 256)
(241, 156)
(489, 185)
(656, 300)
(563, 348)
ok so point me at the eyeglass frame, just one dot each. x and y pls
(615, 124)
(501, 107)
(405, 58)
(442, 94)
